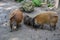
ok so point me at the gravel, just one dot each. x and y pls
(25, 32)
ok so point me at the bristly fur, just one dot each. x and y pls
(48, 17)
(28, 20)
(35, 25)
(17, 17)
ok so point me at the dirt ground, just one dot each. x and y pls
(25, 32)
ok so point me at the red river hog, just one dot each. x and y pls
(16, 17)
(48, 17)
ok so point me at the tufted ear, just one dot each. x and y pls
(11, 16)
(25, 15)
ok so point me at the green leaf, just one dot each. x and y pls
(37, 2)
(19, 0)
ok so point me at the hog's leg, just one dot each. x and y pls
(52, 26)
(11, 26)
(16, 27)
(42, 26)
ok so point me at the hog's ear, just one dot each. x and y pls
(11, 16)
(26, 16)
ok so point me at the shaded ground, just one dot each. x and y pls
(25, 33)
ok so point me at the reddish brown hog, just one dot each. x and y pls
(16, 17)
(48, 17)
